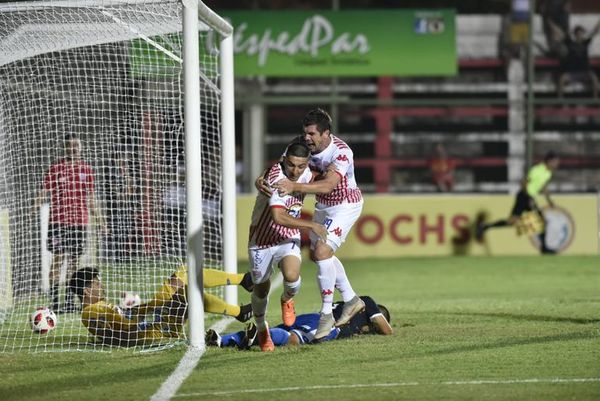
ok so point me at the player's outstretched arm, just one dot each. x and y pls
(262, 185)
(382, 325)
(546, 193)
(324, 186)
(281, 217)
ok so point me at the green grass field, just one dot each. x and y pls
(503, 328)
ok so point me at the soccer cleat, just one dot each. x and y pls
(264, 341)
(247, 282)
(351, 308)
(288, 312)
(326, 323)
(212, 338)
(245, 313)
(249, 336)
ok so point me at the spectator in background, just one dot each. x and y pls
(555, 13)
(120, 206)
(575, 67)
(442, 169)
(515, 30)
(70, 184)
(174, 215)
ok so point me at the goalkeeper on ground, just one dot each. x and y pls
(161, 318)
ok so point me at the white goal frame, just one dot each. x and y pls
(191, 10)
(197, 17)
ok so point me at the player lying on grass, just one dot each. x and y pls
(161, 318)
(374, 319)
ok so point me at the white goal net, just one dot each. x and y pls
(103, 78)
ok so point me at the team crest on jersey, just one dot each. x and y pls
(295, 210)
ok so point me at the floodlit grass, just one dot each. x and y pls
(465, 329)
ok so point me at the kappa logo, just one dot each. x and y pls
(337, 231)
(342, 158)
(326, 292)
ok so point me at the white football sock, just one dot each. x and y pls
(290, 289)
(259, 310)
(341, 281)
(326, 279)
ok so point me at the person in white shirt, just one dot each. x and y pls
(339, 204)
(275, 238)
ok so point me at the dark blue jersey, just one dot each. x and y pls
(359, 320)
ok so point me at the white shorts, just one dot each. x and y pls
(338, 219)
(262, 260)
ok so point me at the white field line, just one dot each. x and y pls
(190, 359)
(398, 384)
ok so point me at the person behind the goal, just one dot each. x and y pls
(69, 183)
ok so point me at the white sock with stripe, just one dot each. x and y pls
(341, 281)
(326, 278)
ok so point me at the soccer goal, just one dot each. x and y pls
(116, 153)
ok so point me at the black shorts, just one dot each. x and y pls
(523, 203)
(66, 239)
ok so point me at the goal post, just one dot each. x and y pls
(146, 87)
(191, 10)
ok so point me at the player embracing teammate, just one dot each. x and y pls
(339, 204)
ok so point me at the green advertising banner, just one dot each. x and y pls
(321, 43)
(344, 43)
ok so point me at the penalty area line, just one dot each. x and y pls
(555, 380)
(191, 358)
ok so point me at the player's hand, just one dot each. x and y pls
(262, 186)
(284, 187)
(321, 231)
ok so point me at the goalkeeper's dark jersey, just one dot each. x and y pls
(359, 320)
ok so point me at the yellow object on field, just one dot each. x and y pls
(530, 223)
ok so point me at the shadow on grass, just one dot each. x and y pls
(532, 318)
(91, 374)
(514, 342)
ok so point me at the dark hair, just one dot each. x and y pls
(550, 155)
(578, 28)
(82, 279)
(298, 149)
(318, 117)
(385, 312)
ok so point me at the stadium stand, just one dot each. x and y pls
(479, 115)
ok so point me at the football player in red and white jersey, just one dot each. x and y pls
(70, 184)
(339, 204)
(275, 238)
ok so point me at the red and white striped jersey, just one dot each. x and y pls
(341, 156)
(264, 232)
